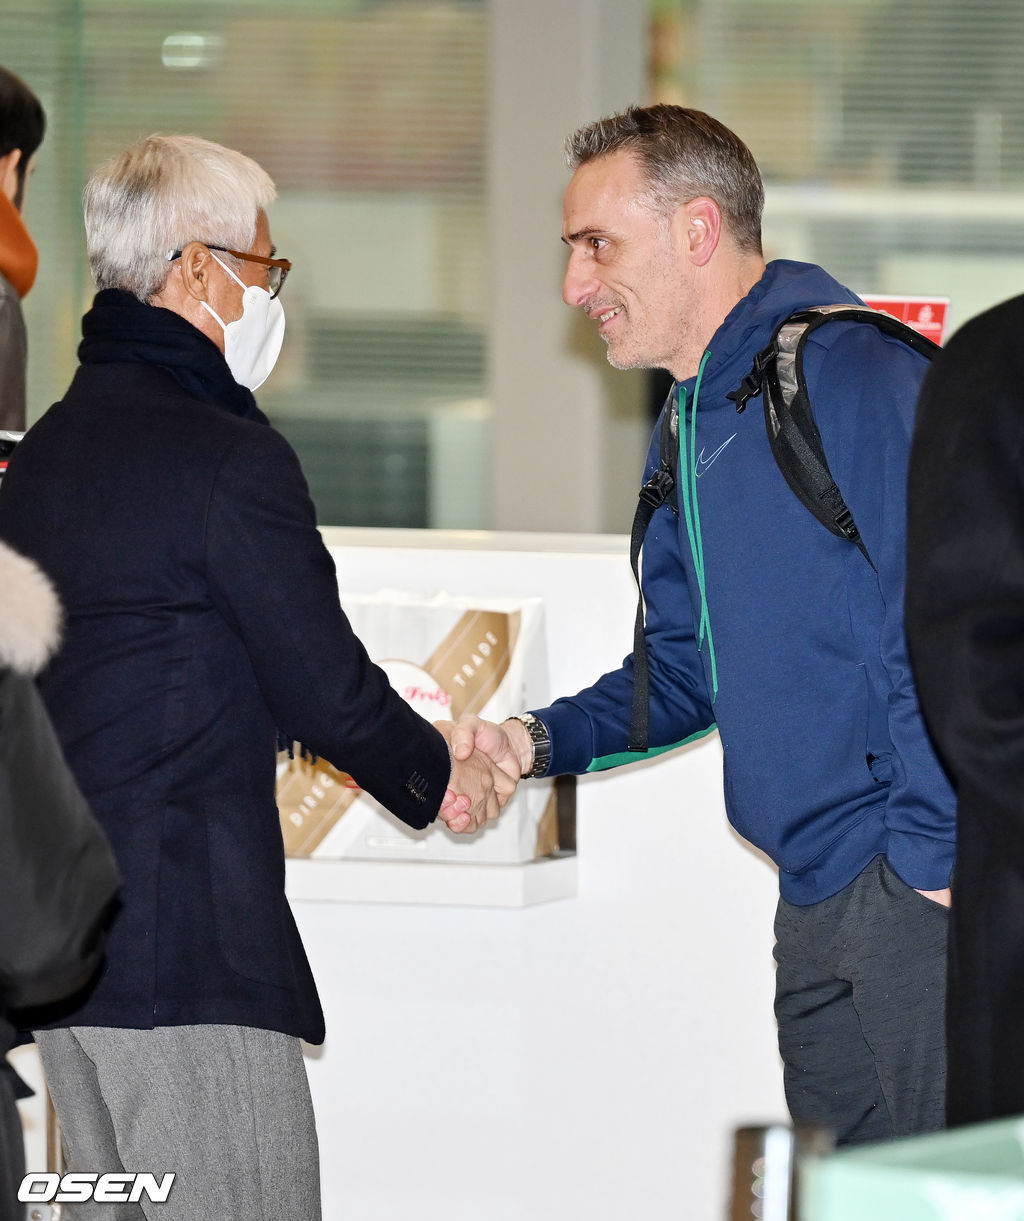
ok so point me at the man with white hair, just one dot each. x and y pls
(202, 624)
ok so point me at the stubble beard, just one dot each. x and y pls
(624, 364)
(629, 360)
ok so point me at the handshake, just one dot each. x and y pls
(488, 761)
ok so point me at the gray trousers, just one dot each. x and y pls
(860, 1002)
(226, 1108)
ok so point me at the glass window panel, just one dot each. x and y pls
(371, 118)
(890, 132)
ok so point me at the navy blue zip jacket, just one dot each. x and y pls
(761, 622)
(202, 617)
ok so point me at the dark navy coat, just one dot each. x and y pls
(202, 619)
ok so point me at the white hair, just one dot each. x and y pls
(162, 193)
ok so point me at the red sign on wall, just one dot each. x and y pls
(924, 314)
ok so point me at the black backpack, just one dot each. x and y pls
(778, 374)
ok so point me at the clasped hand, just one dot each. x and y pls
(484, 774)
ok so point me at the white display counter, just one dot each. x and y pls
(453, 885)
(565, 1039)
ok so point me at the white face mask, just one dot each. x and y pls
(252, 343)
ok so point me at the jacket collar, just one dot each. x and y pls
(786, 286)
(121, 329)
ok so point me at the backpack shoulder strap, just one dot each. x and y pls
(658, 490)
(789, 417)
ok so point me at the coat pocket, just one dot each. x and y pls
(251, 913)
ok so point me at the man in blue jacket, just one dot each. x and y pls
(202, 622)
(761, 622)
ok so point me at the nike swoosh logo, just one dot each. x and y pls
(703, 463)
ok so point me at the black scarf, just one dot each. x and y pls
(121, 329)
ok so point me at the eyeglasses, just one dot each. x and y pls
(277, 269)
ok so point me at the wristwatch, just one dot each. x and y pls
(541, 740)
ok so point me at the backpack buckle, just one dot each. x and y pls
(658, 488)
(753, 382)
(845, 522)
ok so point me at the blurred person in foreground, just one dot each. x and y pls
(761, 622)
(22, 124)
(29, 635)
(58, 878)
(965, 624)
(203, 626)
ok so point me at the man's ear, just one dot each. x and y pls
(9, 163)
(703, 220)
(194, 267)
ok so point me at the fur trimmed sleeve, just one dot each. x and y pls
(30, 614)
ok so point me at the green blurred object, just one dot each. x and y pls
(974, 1173)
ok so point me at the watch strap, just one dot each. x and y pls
(541, 740)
